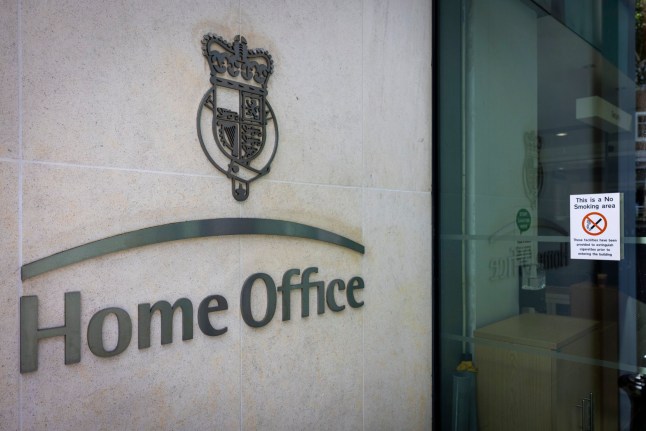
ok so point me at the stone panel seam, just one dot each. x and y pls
(9, 160)
(20, 183)
(240, 214)
(240, 335)
(114, 168)
(410, 192)
(213, 176)
(359, 187)
(362, 209)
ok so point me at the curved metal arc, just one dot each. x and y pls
(184, 230)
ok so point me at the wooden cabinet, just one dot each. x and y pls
(523, 384)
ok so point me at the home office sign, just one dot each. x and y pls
(240, 136)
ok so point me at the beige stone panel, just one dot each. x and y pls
(118, 84)
(192, 384)
(397, 267)
(315, 90)
(9, 145)
(312, 365)
(9, 288)
(397, 94)
(66, 206)
(337, 209)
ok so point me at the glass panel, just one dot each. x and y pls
(537, 106)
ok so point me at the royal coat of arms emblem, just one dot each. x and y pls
(244, 132)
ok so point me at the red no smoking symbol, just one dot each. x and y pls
(594, 224)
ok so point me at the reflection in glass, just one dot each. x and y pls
(548, 102)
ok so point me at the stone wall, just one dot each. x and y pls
(98, 104)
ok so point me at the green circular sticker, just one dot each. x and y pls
(523, 220)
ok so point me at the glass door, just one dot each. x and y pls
(540, 252)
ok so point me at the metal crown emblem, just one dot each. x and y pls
(244, 134)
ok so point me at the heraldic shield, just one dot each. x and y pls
(244, 134)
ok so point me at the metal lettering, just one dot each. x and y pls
(30, 334)
(304, 285)
(286, 290)
(95, 332)
(164, 307)
(245, 300)
(329, 295)
(203, 314)
(353, 284)
(305, 293)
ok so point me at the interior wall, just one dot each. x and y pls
(501, 115)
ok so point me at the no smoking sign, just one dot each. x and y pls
(592, 227)
(596, 223)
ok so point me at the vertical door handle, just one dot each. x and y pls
(582, 407)
(590, 412)
(587, 413)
